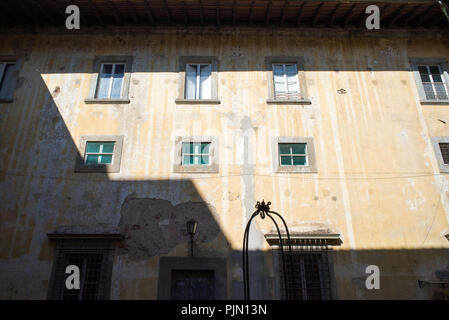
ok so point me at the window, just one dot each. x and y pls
(99, 154)
(286, 83)
(444, 148)
(286, 80)
(7, 80)
(196, 155)
(95, 266)
(308, 277)
(198, 81)
(293, 154)
(110, 83)
(432, 80)
(441, 148)
(192, 285)
(192, 278)
(110, 80)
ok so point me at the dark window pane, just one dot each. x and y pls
(92, 159)
(106, 159)
(286, 160)
(424, 73)
(108, 147)
(299, 148)
(119, 70)
(93, 147)
(444, 147)
(284, 148)
(299, 161)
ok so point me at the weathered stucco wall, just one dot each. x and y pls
(378, 182)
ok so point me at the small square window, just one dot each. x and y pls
(195, 153)
(7, 79)
(100, 154)
(110, 82)
(198, 81)
(293, 155)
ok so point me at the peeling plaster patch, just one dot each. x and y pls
(155, 226)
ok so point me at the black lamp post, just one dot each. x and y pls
(191, 229)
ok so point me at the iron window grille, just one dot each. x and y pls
(95, 270)
(433, 82)
(311, 278)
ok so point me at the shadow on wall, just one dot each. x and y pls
(42, 194)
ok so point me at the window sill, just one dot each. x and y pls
(106, 101)
(296, 169)
(197, 101)
(436, 102)
(6, 100)
(195, 169)
(278, 101)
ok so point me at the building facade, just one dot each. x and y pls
(112, 138)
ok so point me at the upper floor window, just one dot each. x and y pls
(7, 80)
(441, 148)
(195, 153)
(286, 83)
(286, 80)
(432, 80)
(110, 82)
(198, 81)
(293, 154)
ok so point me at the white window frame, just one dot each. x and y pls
(114, 64)
(196, 154)
(432, 82)
(100, 153)
(291, 154)
(198, 78)
(284, 71)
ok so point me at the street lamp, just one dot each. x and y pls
(191, 229)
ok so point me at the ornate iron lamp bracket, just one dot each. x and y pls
(264, 210)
